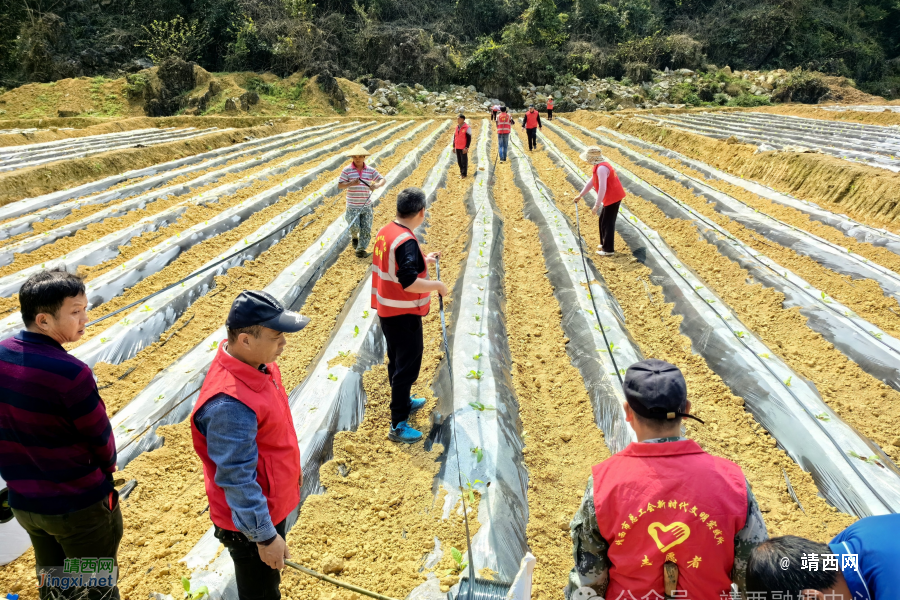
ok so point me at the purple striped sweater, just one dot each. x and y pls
(56, 442)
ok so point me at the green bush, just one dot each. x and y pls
(802, 86)
(721, 99)
(172, 39)
(135, 85)
(749, 101)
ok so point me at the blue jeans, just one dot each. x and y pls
(503, 143)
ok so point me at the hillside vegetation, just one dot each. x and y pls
(496, 45)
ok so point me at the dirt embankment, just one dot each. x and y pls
(868, 194)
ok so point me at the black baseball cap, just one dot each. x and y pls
(656, 389)
(253, 307)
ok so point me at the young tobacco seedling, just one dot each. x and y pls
(470, 485)
(458, 559)
(213, 346)
(477, 356)
(479, 455)
(474, 374)
(332, 377)
(196, 594)
(355, 330)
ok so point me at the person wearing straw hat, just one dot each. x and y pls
(605, 183)
(359, 179)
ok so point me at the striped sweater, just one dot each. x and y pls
(358, 195)
(56, 442)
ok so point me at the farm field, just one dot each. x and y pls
(771, 279)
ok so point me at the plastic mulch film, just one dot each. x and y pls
(876, 351)
(885, 137)
(34, 213)
(151, 140)
(477, 399)
(144, 325)
(170, 396)
(329, 400)
(781, 400)
(14, 540)
(9, 151)
(156, 175)
(107, 247)
(830, 255)
(861, 232)
(721, 131)
(600, 356)
(7, 253)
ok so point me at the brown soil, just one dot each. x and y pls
(841, 382)
(562, 441)
(867, 194)
(91, 97)
(731, 432)
(886, 118)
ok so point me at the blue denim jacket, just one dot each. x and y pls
(230, 429)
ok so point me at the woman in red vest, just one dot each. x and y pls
(663, 500)
(244, 434)
(610, 193)
(401, 295)
(550, 108)
(462, 138)
(504, 127)
(531, 122)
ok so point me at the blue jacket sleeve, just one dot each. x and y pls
(230, 430)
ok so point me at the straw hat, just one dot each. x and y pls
(592, 155)
(357, 150)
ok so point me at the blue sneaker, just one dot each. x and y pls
(415, 404)
(404, 433)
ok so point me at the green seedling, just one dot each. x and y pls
(877, 335)
(474, 374)
(343, 353)
(332, 377)
(740, 334)
(146, 308)
(160, 397)
(365, 314)
(458, 559)
(195, 594)
(868, 459)
(787, 381)
(710, 301)
(103, 340)
(125, 322)
(477, 334)
(477, 318)
(213, 346)
(480, 407)
(355, 330)
(479, 302)
(479, 454)
(470, 488)
(823, 417)
(764, 356)
(477, 356)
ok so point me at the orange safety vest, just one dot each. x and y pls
(459, 138)
(278, 466)
(531, 119)
(550, 103)
(614, 190)
(669, 501)
(504, 123)
(389, 298)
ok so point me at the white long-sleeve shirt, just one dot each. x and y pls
(602, 176)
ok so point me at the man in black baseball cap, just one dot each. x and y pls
(663, 500)
(245, 437)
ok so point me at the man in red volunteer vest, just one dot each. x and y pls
(401, 294)
(531, 122)
(605, 183)
(504, 127)
(550, 108)
(244, 434)
(662, 499)
(462, 138)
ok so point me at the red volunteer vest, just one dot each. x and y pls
(389, 298)
(531, 118)
(549, 103)
(669, 501)
(614, 190)
(504, 122)
(278, 467)
(459, 138)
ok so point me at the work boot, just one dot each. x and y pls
(415, 404)
(404, 433)
(362, 253)
(354, 242)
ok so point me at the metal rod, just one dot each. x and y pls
(337, 582)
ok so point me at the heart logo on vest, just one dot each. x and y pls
(679, 530)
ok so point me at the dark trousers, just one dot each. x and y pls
(255, 579)
(549, 114)
(608, 226)
(92, 532)
(532, 138)
(462, 159)
(405, 346)
(493, 115)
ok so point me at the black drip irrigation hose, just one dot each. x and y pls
(809, 413)
(462, 495)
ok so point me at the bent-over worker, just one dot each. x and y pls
(401, 294)
(663, 499)
(462, 139)
(57, 449)
(860, 563)
(605, 183)
(244, 434)
(359, 179)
